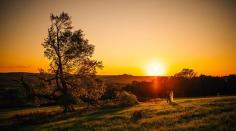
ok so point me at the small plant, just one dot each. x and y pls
(137, 115)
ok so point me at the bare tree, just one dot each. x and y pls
(72, 70)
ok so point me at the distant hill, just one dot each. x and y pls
(8, 80)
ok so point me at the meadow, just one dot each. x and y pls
(209, 113)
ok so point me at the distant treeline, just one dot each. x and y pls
(184, 86)
(12, 94)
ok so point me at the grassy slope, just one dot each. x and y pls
(185, 114)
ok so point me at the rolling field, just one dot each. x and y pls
(212, 113)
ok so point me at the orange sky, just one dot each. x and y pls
(128, 34)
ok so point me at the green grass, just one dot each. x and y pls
(213, 113)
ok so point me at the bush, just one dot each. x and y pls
(111, 91)
(137, 115)
(127, 99)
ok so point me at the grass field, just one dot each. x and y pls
(212, 113)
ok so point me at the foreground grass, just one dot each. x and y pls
(214, 113)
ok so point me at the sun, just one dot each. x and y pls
(155, 69)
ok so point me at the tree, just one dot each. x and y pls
(72, 69)
(186, 73)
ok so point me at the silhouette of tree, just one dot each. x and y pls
(72, 71)
(186, 73)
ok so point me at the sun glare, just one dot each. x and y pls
(155, 69)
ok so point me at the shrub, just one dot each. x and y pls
(137, 115)
(127, 99)
(111, 91)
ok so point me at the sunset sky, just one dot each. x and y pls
(128, 35)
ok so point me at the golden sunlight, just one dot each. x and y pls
(155, 69)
